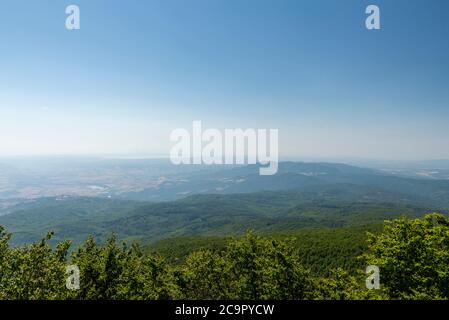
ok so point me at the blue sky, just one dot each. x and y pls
(138, 69)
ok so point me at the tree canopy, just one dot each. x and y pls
(412, 255)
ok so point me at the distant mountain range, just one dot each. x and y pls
(292, 176)
(226, 201)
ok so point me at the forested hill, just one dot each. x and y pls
(230, 200)
(269, 211)
(411, 256)
(320, 249)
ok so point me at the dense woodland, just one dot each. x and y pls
(412, 254)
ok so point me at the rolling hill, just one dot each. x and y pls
(231, 201)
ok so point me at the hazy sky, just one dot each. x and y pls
(139, 69)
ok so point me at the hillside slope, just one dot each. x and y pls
(213, 214)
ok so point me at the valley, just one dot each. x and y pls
(220, 201)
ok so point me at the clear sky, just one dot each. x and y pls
(138, 69)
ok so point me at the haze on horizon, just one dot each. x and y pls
(136, 71)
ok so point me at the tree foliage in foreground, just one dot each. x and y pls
(249, 268)
(413, 256)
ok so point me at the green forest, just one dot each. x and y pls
(412, 255)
